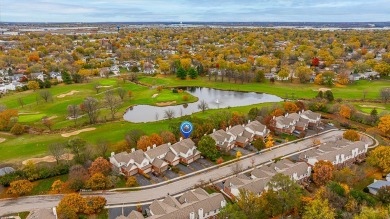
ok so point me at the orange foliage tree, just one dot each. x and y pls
(270, 142)
(345, 111)
(290, 107)
(156, 139)
(168, 136)
(351, 135)
(323, 172)
(71, 205)
(100, 165)
(6, 118)
(57, 186)
(94, 204)
(144, 142)
(277, 112)
(97, 182)
(20, 187)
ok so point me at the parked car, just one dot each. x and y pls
(296, 132)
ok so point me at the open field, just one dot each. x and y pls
(309, 90)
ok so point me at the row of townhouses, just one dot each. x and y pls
(296, 121)
(155, 159)
(341, 153)
(239, 135)
(196, 204)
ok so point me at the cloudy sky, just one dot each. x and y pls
(193, 10)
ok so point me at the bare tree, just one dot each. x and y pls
(46, 121)
(90, 106)
(365, 92)
(46, 95)
(112, 102)
(385, 94)
(157, 116)
(169, 114)
(102, 148)
(57, 150)
(203, 106)
(121, 93)
(73, 112)
(21, 102)
(97, 87)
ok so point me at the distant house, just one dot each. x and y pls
(6, 170)
(376, 185)
(257, 129)
(37, 76)
(296, 121)
(56, 75)
(131, 163)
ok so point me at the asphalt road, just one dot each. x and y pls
(147, 195)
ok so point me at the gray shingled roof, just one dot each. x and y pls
(378, 184)
(236, 130)
(158, 151)
(256, 126)
(6, 170)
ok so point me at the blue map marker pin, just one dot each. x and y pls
(186, 128)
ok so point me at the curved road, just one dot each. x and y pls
(142, 196)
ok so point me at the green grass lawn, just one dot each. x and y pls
(26, 146)
(368, 107)
(43, 186)
(352, 91)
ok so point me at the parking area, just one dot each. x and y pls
(184, 169)
(169, 174)
(243, 151)
(142, 181)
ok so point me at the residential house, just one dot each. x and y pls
(56, 75)
(257, 129)
(240, 136)
(314, 118)
(283, 124)
(39, 76)
(186, 150)
(156, 157)
(376, 185)
(340, 152)
(196, 204)
(233, 185)
(223, 140)
(131, 163)
(301, 124)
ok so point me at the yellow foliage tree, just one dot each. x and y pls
(33, 85)
(345, 111)
(20, 187)
(57, 185)
(238, 154)
(290, 107)
(270, 142)
(318, 79)
(380, 157)
(351, 135)
(384, 124)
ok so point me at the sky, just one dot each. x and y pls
(194, 10)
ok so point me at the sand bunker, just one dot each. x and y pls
(371, 106)
(166, 103)
(66, 135)
(68, 94)
(2, 140)
(49, 159)
(154, 95)
(52, 117)
(106, 86)
(323, 89)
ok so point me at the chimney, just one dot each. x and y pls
(213, 130)
(112, 154)
(200, 213)
(223, 203)
(132, 150)
(154, 145)
(192, 215)
(169, 143)
(227, 128)
(181, 139)
(147, 148)
(273, 117)
(249, 121)
(230, 126)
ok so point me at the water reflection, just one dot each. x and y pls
(213, 97)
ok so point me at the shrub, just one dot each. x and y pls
(219, 160)
(20, 187)
(17, 129)
(131, 182)
(175, 91)
(351, 135)
(185, 97)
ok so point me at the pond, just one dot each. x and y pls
(216, 99)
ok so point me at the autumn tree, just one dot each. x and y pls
(384, 124)
(98, 182)
(57, 186)
(94, 204)
(290, 107)
(385, 94)
(77, 146)
(270, 142)
(259, 144)
(33, 85)
(20, 187)
(207, 146)
(112, 103)
(46, 95)
(46, 121)
(380, 157)
(144, 142)
(71, 205)
(345, 111)
(156, 139)
(133, 136)
(203, 106)
(131, 182)
(73, 112)
(100, 165)
(351, 135)
(303, 73)
(323, 172)
(57, 150)
(90, 106)
(121, 93)
(17, 129)
(318, 209)
(168, 137)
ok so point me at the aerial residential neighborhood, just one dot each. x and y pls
(194, 109)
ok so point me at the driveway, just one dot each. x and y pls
(196, 166)
(170, 174)
(156, 179)
(142, 181)
(204, 162)
(184, 169)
